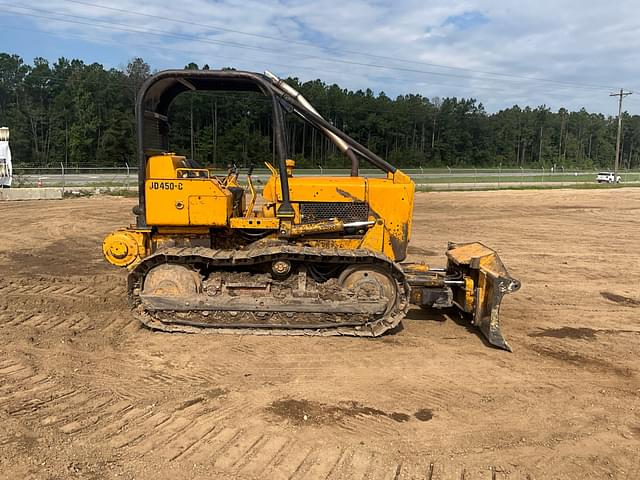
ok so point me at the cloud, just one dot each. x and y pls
(562, 53)
(467, 20)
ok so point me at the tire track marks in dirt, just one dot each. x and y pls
(259, 453)
(21, 385)
(580, 361)
(25, 392)
(266, 452)
(155, 385)
(289, 461)
(75, 322)
(77, 303)
(278, 459)
(72, 284)
(195, 431)
(75, 287)
(160, 380)
(94, 414)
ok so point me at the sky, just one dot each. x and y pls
(562, 53)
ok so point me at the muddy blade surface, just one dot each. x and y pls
(492, 282)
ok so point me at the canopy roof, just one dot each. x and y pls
(160, 90)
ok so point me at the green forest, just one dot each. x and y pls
(83, 115)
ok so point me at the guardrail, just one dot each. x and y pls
(447, 178)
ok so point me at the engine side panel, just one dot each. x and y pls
(388, 202)
(392, 202)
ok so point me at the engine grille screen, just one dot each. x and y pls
(155, 135)
(347, 212)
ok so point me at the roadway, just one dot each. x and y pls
(121, 178)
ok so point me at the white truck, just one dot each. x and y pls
(6, 171)
(607, 177)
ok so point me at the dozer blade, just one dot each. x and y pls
(484, 281)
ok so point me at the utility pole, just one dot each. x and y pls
(539, 148)
(622, 94)
(560, 141)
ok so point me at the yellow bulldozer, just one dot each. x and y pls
(313, 255)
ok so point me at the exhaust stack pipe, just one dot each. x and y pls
(337, 141)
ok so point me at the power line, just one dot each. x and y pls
(334, 49)
(127, 28)
(156, 47)
(111, 26)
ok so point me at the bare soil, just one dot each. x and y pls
(85, 392)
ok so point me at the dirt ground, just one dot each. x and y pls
(85, 392)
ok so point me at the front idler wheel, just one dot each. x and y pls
(371, 283)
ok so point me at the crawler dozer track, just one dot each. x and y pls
(280, 289)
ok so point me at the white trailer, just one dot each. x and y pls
(6, 170)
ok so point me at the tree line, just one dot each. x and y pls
(83, 115)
